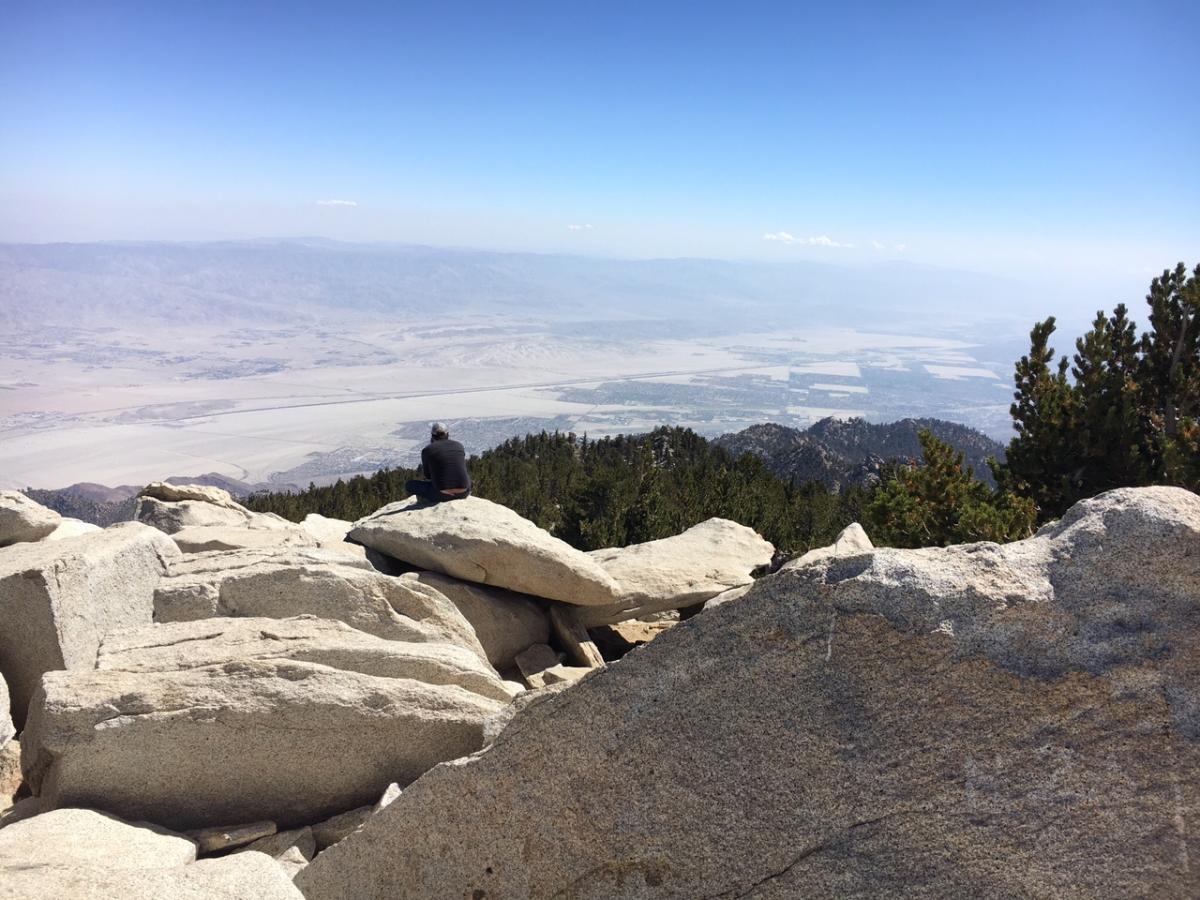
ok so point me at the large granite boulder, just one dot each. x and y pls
(232, 730)
(973, 721)
(477, 540)
(504, 622)
(22, 519)
(58, 599)
(201, 518)
(85, 837)
(689, 568)
(322, 583)
(80, 854)
(224, 641)
(167, 492)
(170, 507)
(170, 517)
(850, 541)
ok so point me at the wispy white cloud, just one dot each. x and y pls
(820, 240)
(580, 227)
(881, 247)
(337, 203)
(878, 246)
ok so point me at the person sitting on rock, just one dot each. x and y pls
(444, 464)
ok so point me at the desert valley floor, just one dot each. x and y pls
(299, 404)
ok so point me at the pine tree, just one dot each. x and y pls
(1130, 414)
(1171, 372)
(1043, 460)
(940, 502)
(1107, 428)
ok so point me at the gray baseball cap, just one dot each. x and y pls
(439, 428)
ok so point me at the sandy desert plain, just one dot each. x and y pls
(297, 404)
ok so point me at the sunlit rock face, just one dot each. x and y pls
(968, 721)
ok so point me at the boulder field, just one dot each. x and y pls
(58, 599)
(339, 710)
(983, 720)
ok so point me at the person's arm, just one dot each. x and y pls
(425, 473)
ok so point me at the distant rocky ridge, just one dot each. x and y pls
(840, 452)
(834, 452)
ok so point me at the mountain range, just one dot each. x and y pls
(836, 453)
(841, 452)
(284, 282)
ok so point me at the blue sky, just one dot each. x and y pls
(1055, 138)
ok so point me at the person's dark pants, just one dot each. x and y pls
(428, 493)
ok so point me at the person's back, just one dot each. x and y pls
(444, 464)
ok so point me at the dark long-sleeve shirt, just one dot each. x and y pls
(445, 464)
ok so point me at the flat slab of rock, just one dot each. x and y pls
(23, 520)
(278, 739)
(58, 599)
(236, 877)
(177, 646)
(536, 659)
(559, 674)
(205, 538)
(504, 622)
(477, 540)
(679, 571)
(972, 721)
(87, 838)
(323, 583)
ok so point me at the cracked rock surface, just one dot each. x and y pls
(689, 568)
(72, 854)
(325, 583)
(235, 720)
(217, 642)
(972, 721)
(504, 622)
(58, 599)
(477, 540)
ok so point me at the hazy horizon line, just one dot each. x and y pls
(467, 248)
